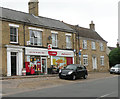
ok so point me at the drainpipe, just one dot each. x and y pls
(77, 49)
(24, 45)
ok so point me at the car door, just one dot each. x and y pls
(80, 71)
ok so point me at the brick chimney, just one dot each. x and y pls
(33, 7)
(92, 26)
(118, 43)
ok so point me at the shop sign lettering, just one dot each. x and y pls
(52, 53)
(65, 54)
(37, 52)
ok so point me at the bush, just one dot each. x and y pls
(114, 57)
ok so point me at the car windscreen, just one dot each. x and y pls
(73, 67)
(117, 66)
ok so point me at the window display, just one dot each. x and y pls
(61, 62)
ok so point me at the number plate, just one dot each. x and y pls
(63, 74)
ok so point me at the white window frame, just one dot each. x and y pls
(101, 47)
(38, 37)
(102, 60)
(93, 45)
(85, 60)
(68, 43)
(13, 26)
(84, 44)
(55, 41)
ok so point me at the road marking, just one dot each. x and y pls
(105, 95)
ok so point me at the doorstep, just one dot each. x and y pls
(28, 76)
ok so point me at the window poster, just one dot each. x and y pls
(28, 58)
(60, 62)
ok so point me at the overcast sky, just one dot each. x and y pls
(104, 14)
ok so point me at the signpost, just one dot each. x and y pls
(49, 46)
(80, 55)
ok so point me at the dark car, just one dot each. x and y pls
(73, 72)
(115, 69)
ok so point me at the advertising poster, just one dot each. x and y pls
(60, 62)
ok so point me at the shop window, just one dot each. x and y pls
(35, 37)
(68, 42)
(54, 40)
(85, 60)
(13, 35)
(61, 62)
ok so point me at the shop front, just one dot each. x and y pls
(62, 58)
(36, 61)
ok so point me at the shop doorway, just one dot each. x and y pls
(13, 63)
(44, 65)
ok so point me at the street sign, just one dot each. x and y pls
(79, 53)
(49, 46)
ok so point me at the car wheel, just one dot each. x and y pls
(85, 76)
(110, 72)
(60, 77)
(74, 77)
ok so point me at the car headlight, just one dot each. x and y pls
(60, 71)
(116, 70)
(70, 72)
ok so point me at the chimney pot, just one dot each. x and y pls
(92, 26)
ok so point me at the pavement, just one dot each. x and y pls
(12, 85)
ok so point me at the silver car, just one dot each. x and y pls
(115, 69)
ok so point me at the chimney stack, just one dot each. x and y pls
(33, 7)
(92, 26)
(118, 43)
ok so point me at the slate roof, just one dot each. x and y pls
(18, 16)
(111, 48)
(86, 33)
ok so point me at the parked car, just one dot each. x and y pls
(115, 69)
(73, 72)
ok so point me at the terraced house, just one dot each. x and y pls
(25, 39)
(90, 48)
(35, 43)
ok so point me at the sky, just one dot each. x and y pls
(104, 14)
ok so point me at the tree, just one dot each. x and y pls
(114, 57)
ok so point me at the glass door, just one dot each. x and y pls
(44, 65)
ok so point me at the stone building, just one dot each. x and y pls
(27, 39)
(90, 48)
